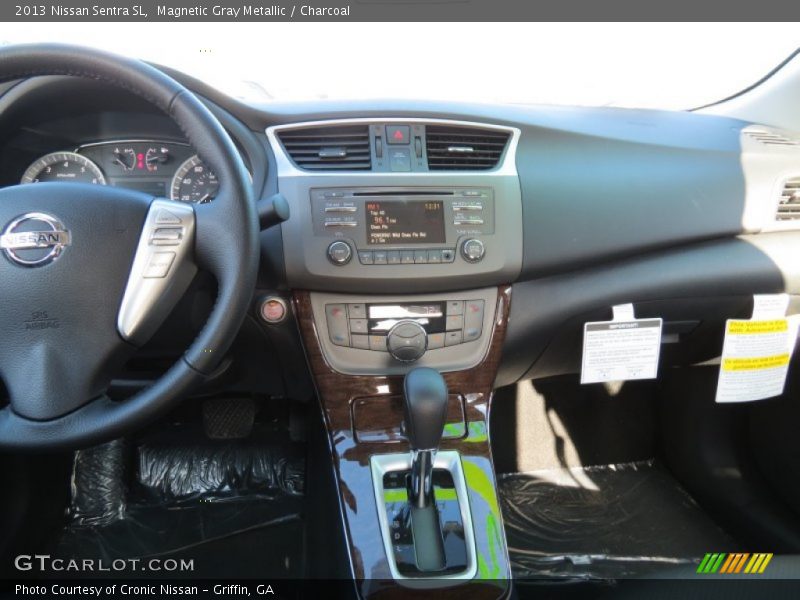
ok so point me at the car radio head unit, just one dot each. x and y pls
(403, 225)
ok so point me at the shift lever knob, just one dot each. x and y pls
(425, 408)
(425, 413)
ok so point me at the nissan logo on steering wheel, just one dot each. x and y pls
(34, 239)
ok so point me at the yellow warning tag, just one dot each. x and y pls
(752, 327)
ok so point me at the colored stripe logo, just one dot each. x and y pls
(734, 563)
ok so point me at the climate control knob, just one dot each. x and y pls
(472, 250)
(407, 341)
(339, 253)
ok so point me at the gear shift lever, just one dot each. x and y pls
(425, 413)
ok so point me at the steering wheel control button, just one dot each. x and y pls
(273, 310)
(473, 250)
(338, 330)
(397, 134)
(162, 269)
(167, 236)
(339, 253)
(34, 239)
(165, 217)
(159, 265)
(407, 341)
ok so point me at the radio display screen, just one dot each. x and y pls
(405, 222)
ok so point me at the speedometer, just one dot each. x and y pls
(194, 182)
(63, 166)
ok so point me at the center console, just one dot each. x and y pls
(403, 236)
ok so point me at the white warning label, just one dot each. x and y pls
(621, 350)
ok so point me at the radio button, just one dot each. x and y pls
(365, 257)
(393, 257)
(407, 257)
(360, 341)
(339, 253)
(452, 338)
(473, 250)
(420, 257)
(435, 340)
(434, 256)
(379, 257)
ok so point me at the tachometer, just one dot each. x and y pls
(63, 166)
(194, 182)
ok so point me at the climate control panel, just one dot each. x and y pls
(380, 333)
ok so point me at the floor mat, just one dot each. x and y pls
(232, 507)
(610, 521)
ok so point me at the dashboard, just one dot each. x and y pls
(160, 168)
(418, 213)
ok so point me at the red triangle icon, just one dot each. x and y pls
(398, 135)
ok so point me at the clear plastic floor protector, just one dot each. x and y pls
(603, 522)
(185, 497)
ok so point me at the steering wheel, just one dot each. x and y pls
(91, 271)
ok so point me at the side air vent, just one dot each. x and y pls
(464, 148)
(340, 148)
(789, 204)
(772, 138)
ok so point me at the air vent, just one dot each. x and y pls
(771, 138)
(340, 148)
(464, 148)
(789, 204)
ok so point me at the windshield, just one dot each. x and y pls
(658, 65)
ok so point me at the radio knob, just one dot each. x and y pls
(407, 341)
(472, 250)
(339, 253)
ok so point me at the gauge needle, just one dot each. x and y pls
(204, 198)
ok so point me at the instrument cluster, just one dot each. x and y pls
(165, 169)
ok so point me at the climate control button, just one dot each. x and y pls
(407, 341)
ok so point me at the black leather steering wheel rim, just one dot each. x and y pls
(226, 245)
